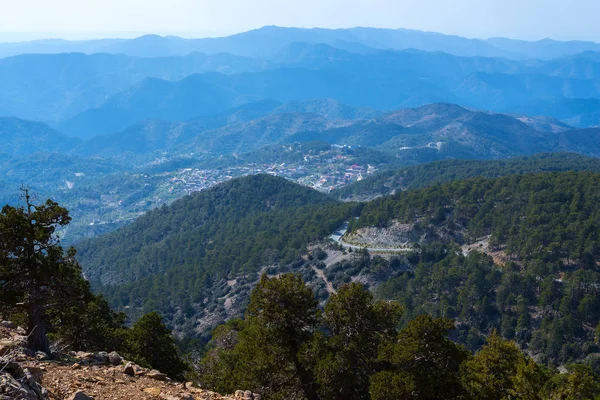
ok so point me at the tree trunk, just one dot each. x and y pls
(37, 339)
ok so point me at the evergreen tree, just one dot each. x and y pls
(35, 273)
(149, 342)
(357, 325)
(422, 364)
(491, 373)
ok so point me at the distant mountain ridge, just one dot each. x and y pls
(267, 41)
(380, 80)
(20, 137)
(85, 95)
(54, 87)
(411, 135)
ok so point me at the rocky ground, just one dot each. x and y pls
(83, 376)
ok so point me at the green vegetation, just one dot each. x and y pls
(42, 286)
(428, 174)
(543, 227)
(545, 217)
(35, 273)
(173, 258)
(287, 348)
(149, 343)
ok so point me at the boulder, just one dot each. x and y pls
(129, 370)
(246, 395)
(19, 383)
(11, 388)
(114, 358)
(79, 395)
(33, 378)
(101, 357)
(159, 376)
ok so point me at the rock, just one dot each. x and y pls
(129, 370)
(8, 325)
(248, 395)
(41, 356)
(11, 388)
(101, 357)
(79, 395)
(36, 372)
(33, 379)
(114, 358)
(154, 391)
(239, 394)
(21, 331)
(257, 396)
(159, 376)
(85, 355)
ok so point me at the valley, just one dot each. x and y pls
(307, 214)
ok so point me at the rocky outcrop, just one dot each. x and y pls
(17, 382)
(100, 375)
(395, 235)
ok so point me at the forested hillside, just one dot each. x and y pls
(176, 259)
(427, 174)
(538, 282)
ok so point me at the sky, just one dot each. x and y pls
(81, 19)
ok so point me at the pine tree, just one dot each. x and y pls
(149, 342)
(36, 275)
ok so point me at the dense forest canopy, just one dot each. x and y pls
(538, 282)
(443, 171)
(173, 258)
(286, 347)
(550, 217)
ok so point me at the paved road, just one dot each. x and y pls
(338, 237)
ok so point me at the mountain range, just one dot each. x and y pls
(89, 94)
(436, 131)
(268, 42)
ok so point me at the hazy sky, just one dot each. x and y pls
(527, 19)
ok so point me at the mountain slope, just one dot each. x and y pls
(380, 80)
(186, 251)
(414, 135)
(440, 130)
(438, 172)
(194, 96)
(517, 255)
(211, 94)
(240, 129)
(576, 112)
(20, 137)
(55, 87)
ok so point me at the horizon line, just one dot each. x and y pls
(28, 37)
